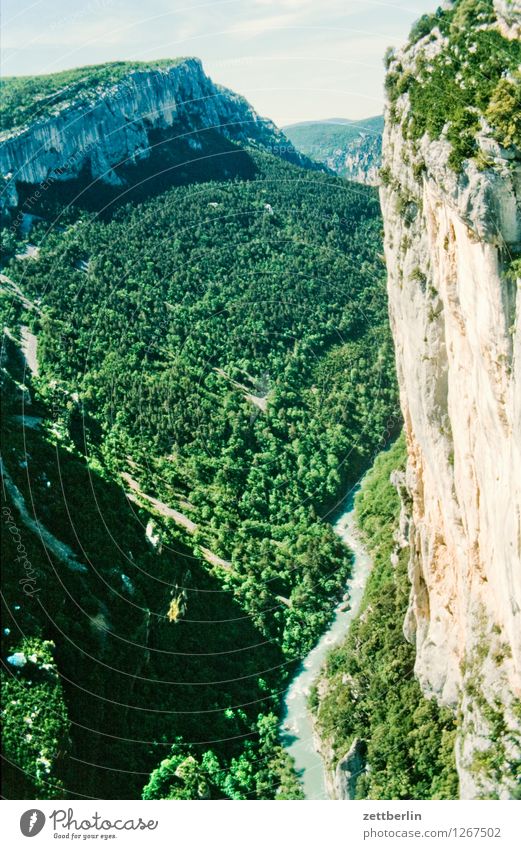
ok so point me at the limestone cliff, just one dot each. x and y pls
(103, 131)
(451, 203)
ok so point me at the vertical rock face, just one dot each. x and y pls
(348, 770)
(455, 302)
(114, 126)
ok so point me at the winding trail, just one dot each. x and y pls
(297, 733)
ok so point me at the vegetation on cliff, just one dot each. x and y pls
(25, 99)
(473, 74)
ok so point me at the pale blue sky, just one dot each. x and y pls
(293, 59)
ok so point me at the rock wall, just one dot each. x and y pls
(348, 770)
(360, 161)
(114, 127)
(454, 310)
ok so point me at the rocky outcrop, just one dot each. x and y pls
(454, 306)
(361, 160)
(508, 14)
(348, 770)
(118, 127)
(340, 774)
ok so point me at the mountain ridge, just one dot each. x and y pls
(171, 114)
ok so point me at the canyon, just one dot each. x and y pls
(126, 410)
(352, 149)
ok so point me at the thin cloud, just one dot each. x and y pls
(281, 54)
(259, 26)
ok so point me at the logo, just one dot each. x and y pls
(32, 822)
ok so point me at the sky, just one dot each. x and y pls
(294, 60)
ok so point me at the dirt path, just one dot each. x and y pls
(169, 513)
(29, 345)
(259, 401)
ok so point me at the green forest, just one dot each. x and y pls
(215, 368)
(233, 357)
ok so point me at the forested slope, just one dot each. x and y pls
(106, 680)
(214, 368)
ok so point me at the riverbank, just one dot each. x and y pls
(380, 737)
(297, 730)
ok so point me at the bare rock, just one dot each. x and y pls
(349, 769)
(454, 314)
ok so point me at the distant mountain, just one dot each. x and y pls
(350, 148)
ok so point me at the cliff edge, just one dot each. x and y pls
(100, 121)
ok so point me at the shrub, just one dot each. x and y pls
(504, 111)
(475, 74)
